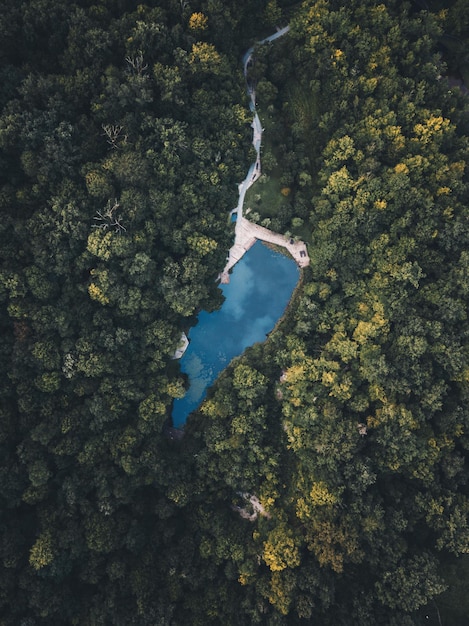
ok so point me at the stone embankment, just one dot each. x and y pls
(182, 347)
(257, 508)
(248, 233)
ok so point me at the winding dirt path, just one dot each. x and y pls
(247, 233)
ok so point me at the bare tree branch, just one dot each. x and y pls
(112, 132)
(137, 64)
(108, 220)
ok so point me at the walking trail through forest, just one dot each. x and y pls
(247, 233)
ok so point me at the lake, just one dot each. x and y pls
(260, 288)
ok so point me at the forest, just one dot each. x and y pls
(324, 479)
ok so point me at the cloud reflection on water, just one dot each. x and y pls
(241, 287)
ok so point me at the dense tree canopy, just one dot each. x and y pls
(122, 137)
(324, 478)
(361, 462)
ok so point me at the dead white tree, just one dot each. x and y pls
(112, 132)
(107, 219)
(137, 64)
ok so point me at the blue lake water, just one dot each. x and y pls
(260, 288)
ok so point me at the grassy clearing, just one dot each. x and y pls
(304, 106)
(271, 197)
(454, 603)
(458, 56)
(265, 196)
(451, 608)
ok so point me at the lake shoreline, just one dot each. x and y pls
(255, 300)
